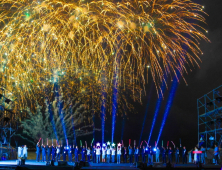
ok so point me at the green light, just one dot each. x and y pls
(27, 14)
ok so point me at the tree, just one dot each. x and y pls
(55, 119)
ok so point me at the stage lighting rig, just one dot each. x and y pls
(201, 139)
(209, 104)
(218, 99)
(211, 138)
(108, 143)
(219, 119)
(216, 92)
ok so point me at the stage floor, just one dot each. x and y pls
(103, 166)
(125, 166)
(29, 162)
(32, 164)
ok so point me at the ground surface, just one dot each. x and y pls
(32, 164)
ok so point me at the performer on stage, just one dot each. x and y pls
(170, 152)
(104, 153)
(136, 154)
(22, 151)
(130, 154)
(64, 153)
(83, 154)
(88, 154)
(192, 154)
(19, 151)
(49, 152)
(113, 154)
(143, 151)
(25, 152)
(125, 153)
(108, 153)
(216, 152)
(93, 153)
(43, 153)
(58, 153)
(98, 150)
(73, 152)
(203, 154)
(77, 154)
(122, 151)
(164, 154)
(195, 156)
(181, 151)
(157, 154)
(61, 151)
(150, 155)
(177, 155)
(53, 152)
(37, 152)
(184, 155)
(70, 153)
(118, 153)
(46, 152)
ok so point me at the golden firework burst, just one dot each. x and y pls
(44, 41)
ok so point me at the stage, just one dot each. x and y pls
(103, 166)
(32, 164)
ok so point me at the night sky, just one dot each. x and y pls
(182, 120)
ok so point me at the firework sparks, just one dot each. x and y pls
(39, 38)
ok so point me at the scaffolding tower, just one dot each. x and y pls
(209, 110)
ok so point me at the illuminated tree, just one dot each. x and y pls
(39, 124)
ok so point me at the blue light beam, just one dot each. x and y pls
(146, 112)
(157, 109)
(114, 109)
(73, 126)
(103, 113)
(62, 120)
(52, 120)
(60, 105)
(168, 106)
(114, 106)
